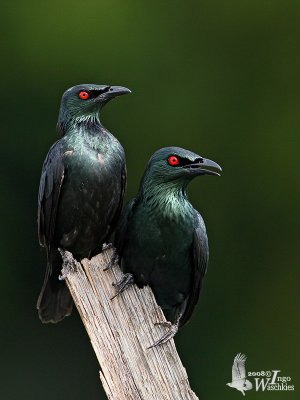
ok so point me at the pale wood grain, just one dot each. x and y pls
(120, 331)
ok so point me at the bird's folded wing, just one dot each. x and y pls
(49, 191)
(200, 261)
(121, 236)
(238, 367)
(115, 220)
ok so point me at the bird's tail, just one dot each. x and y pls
(55, 301)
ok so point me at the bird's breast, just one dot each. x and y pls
(90, 196)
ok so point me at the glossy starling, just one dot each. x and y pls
(81, 190)
(161, 239)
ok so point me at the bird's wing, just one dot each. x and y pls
(238, 367)
(116, 218)
(200, 256)
(121, 231)
(49, 191)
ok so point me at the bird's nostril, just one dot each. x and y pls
(105, 89)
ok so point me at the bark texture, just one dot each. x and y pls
(121, 330)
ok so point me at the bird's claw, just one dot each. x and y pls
(69, 263)
(106, 246)
(113, 261)
(122, 284)
(172, 330)
(167, 324)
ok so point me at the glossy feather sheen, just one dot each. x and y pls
(162, 240)
(81, 192)
(91, 192)
(91, 189)
(80, 198)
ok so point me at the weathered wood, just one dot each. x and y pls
(121, 330)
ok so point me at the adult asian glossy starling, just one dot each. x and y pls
(81, 190)
(161, 238)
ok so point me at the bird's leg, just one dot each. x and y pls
(122, 284)
(113, 261)
(172, 330)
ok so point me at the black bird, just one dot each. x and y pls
(81, 190)
(161, 239)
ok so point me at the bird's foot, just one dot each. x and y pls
(122, 284)
(172, 330)
(107, 246)
(167, 324)
(113, 261)
(69, 263)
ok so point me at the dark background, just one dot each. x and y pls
(220, 78)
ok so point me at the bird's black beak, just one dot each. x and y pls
(200, 166)
(108, 93)
(114, 91)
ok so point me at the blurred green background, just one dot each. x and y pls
(219, 78)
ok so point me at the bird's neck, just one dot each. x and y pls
(88, 132)
(167, 199)
(89, 122)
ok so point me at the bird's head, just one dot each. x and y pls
(178, 166)
(171, 169)
(83, 102)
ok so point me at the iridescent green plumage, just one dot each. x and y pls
(81, 190)
(161, 239)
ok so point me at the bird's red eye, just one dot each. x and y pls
(173, 160)
(84, 95)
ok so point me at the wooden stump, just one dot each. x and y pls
(121, 330)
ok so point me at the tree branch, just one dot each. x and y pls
(121, 330)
